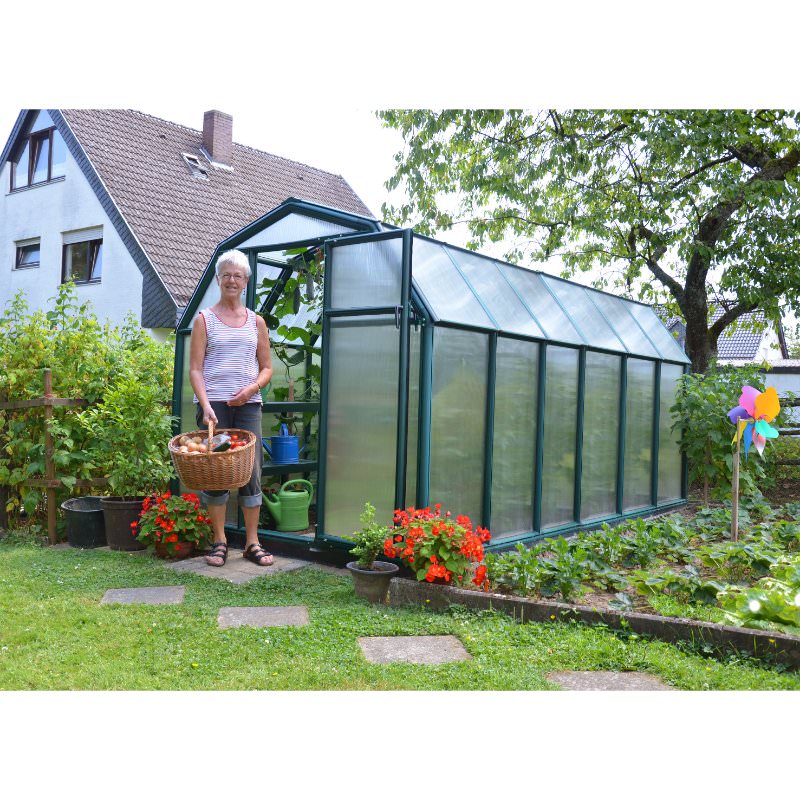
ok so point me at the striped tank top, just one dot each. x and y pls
(230, 363)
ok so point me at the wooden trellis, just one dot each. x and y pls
(51, 481)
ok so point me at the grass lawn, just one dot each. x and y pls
(56, 635)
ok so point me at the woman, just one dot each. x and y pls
(229, 364)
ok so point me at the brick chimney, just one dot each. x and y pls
(218, 136)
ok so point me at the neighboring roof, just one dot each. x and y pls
(741, 344)
(177, 219)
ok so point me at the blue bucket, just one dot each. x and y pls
(283, 448)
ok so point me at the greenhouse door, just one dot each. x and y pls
(364, 394)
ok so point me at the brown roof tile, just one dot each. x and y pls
(177, 218)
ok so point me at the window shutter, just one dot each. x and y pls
(83, 235)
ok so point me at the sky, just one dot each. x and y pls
(301, 81)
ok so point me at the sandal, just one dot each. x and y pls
(218, 550)
(255, 553)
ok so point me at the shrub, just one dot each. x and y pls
(89, 360)
(700, 411)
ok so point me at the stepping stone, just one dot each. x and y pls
(609, 681)
(412, 649)
(150, 595)
(262, 616)
(236, 569)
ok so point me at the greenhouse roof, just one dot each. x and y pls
(467, 288)
(460, 286)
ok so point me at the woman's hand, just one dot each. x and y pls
(209, 415)
(243, 395)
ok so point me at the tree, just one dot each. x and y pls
(684, 207)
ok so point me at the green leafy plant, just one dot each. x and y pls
(130, 430)
(703, 400)
(437, 547)
(774, 603)
(86, 359)
(736, 561)
(169, 519)
(568, 564)
(521, 571)
(369, 538)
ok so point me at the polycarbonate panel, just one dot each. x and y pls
(294, 228)
(657, 332)
(514, 446)
(555, 324)
(497, 295)
(670, 464)
(560, 428)
(585, 315)
(413, 414)
(362, 365)
(458, 420)
(443, 288)
(187, 393)
(639, 408)
(616, 312)
(367, 274)
(600, 436)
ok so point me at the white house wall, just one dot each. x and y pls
(46, 212)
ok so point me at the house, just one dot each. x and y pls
(131, 207)
(752, 341)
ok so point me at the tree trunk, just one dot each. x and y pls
(699, 345)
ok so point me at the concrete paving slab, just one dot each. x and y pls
(148, 595)
(609, 681)
(236, 569)
(412, 649)
(262, 616)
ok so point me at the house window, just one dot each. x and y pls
(27, 254)
(83, 261)
(195, 167)
(42, 154)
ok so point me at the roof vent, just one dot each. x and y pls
(218, 136)
(197, 170)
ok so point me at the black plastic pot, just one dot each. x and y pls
(372, 584)
(119, 513)
(84, 521)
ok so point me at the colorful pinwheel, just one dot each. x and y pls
(752, 417)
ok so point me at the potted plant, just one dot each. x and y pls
(437, 548)
(371, 577)
(172, 524)
(129, 432)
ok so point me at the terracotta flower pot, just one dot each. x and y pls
(180, 550)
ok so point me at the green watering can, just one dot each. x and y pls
(290, 509)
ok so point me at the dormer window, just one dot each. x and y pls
(195, 167)
(41, 154)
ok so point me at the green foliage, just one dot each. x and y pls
(297, 342)
(774, 602)
(369, 538)
(88, 360)
(700, 412)
(676, 205)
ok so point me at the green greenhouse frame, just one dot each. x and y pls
(532, 404)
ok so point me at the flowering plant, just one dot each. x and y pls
(435, 546)
(167, 519)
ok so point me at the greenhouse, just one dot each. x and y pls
(418, 372)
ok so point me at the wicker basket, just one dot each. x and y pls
(230, 469)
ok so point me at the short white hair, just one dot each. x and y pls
(236, 258)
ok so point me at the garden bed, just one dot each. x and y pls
(781, 647)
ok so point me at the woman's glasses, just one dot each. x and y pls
(230, 276)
